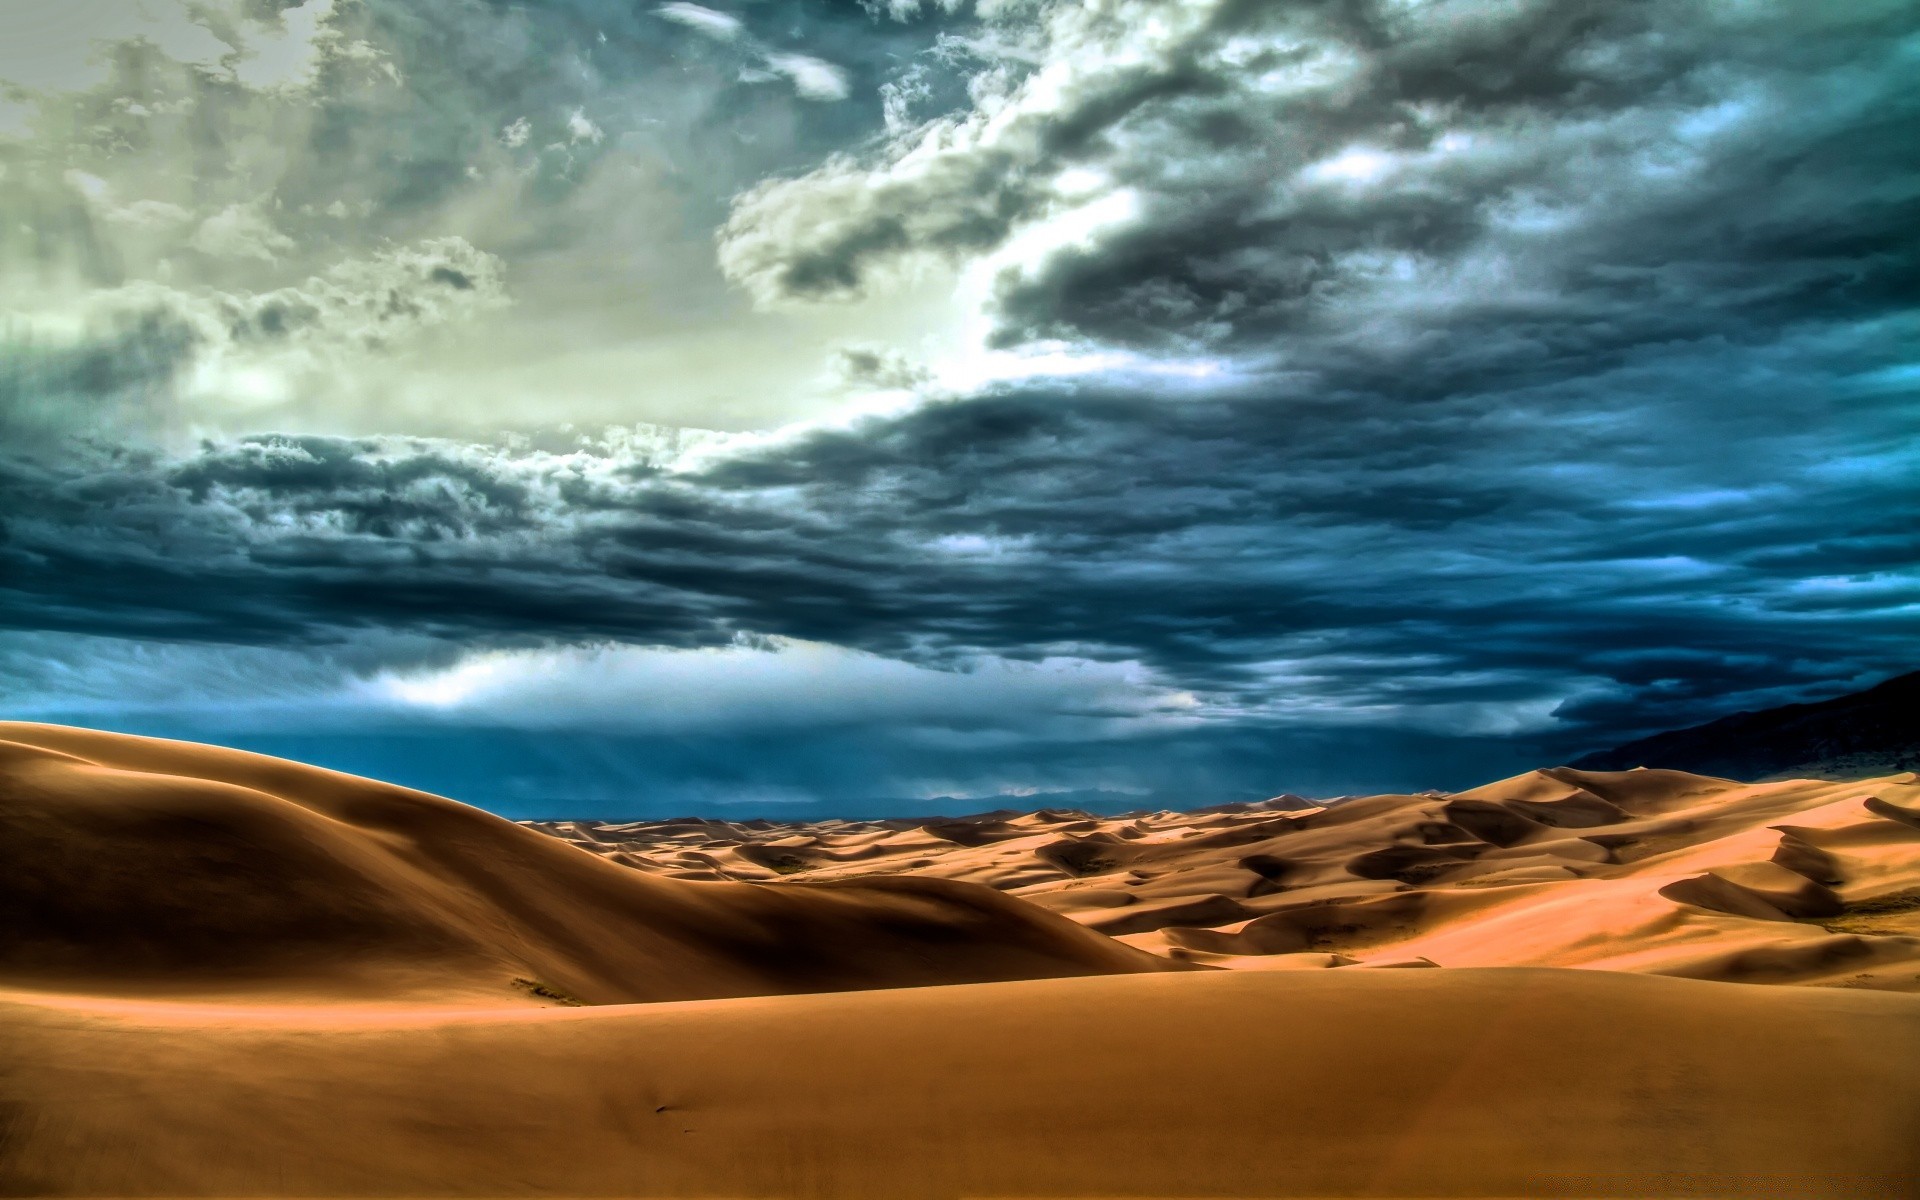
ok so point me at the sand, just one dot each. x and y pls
(1657, 872)
(1484, 1082)
(139, 865)
(228, 975)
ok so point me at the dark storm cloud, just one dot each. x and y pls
(1709, 186)
(1372, 190)
(1634, 545)
(115, 378)
(1565, 385)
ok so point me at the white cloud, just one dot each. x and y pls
(718, 25)
(240, 231)
(900, 96)
(580, 128)
(763, 685)
(778, 684)
(813, 78)
(1356, 164)
(901, 10)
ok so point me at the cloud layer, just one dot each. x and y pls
(1620, 551)
(1365, 189)
(1467, 381)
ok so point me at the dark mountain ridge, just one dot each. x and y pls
(1874, 732)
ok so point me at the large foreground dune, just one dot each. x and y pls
(222, 974)
(143, 865)
(1418, 1083)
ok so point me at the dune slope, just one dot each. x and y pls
(1411, 1083)
(138, 865)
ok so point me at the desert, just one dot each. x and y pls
(227, 974)
(960, 599)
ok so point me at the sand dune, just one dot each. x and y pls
(1503, 1082)
(223, 974)
(138, 865)
(1649, 871)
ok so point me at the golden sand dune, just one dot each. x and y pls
(139, 865)
(1647, 871)
(1415, 1083)
(222, 974)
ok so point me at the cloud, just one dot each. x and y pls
(904, 10)
(581, 129)
(1472, 563)
(595, 168)
(1449, 189)
(1389, 382)
(165, 141)
(745, 730)
(868, 367)
(714, 24)
(764, 685)
(51, 54)
(43, 53)
(755, 684)
(289, 55)
(957, 184)
(240, 231)
(813, 78)
(145, 355)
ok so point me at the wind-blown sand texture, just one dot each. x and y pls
(222, 974)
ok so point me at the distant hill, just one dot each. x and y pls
(1875, 732)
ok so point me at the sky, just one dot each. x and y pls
(601, 408)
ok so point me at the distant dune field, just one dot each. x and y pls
(1656, 872)
(223, 974)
